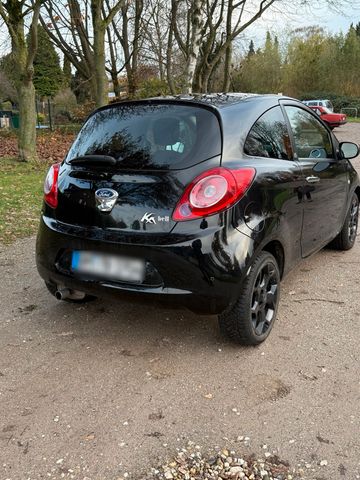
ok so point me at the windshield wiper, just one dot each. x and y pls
(93, 160)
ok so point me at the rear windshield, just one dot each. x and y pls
(155, 136)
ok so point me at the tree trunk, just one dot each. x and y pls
(197, 80)
(228, 51)
(27, 127)
(113, 69)
(116, 83)
(101, 86)
(194, 48)
(169, 52)
(205, 80)
(99, 73)
(24, 71)
(134, 79)
(227, 68)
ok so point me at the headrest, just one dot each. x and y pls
(166, 131)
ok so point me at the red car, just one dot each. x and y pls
(332, 119)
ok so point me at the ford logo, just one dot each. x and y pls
(105, 199)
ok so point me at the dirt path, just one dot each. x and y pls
(95, 391)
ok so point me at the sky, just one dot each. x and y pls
(280, 22)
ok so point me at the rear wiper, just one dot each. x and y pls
(93, 160)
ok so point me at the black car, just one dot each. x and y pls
(205, 201)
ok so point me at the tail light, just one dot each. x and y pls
(51, 186)
(212, 192)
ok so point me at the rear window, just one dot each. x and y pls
(155, 136)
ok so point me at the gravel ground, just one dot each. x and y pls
(109, 390)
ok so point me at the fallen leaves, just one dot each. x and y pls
(51, 146)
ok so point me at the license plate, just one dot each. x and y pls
(111, 267)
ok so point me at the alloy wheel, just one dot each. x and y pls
(264, 299)
(354, 219)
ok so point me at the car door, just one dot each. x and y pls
(273, 209)
(325, 179)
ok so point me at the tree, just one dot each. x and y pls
(196, 23)
(357, 29)
(13, 14)
(7, 85)
(155, 31)
(312, 65)
(251, 51)
(66, 72)
(81, 87)
(351, 62)
(131, 13)
(48, 77)
(7, 90)
(218, 23)
(78, 29)
(208, 32)
(101, 19)
(261, 71)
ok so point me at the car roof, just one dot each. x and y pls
(223, 100)
(318, 100)
(215, 100)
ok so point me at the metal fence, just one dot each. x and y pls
(350, 109)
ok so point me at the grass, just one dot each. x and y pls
(353, 119)
(21, 191)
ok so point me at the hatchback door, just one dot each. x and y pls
(325, 179)
(147, 152)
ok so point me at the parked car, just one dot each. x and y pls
(332, 120)
(319, 103)
(206, 201)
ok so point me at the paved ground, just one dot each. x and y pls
(95, 391)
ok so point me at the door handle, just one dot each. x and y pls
(313, 179)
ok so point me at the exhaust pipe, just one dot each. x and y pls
(62, 293)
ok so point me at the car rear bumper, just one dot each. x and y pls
(201, 273)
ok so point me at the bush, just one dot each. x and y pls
(71, 128)
(153, 87)
(40, 118)
(81, 112)
(64, 106)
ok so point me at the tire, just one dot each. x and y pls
(247, 321)
(52, 289)
(346, 238)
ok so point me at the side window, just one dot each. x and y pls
(312, 140)
(269, 137)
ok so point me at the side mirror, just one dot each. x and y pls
(348, 150)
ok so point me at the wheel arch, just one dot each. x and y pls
(277, 251)
(357, 191)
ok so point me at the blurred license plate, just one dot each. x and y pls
(109, 266)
